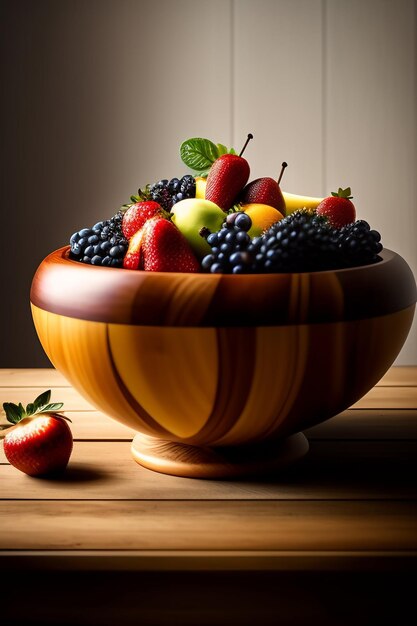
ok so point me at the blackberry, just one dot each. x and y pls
(358, 244)
(169, 192)
(301, 242)
(103, 244)
(232, 250)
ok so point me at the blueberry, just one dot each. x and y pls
(93, 239)
(96, 249)
(115, 263)
(89, 251)
(243, 221)
(207, 261)
(238, 269)
(74, 238)
(230, 219)
(114, 251)
(241, 237)
(212, 239)
(98, 226)
(76, 249)
(86, 259)
(96, 260)
(216, 268)
(85, 232)
(106, 261)
(105, 246)
(82, 242)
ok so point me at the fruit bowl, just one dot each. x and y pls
(220, 373)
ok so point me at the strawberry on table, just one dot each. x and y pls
(338, 208)
(136, 215)
(40, 441)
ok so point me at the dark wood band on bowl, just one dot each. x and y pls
(101, 294)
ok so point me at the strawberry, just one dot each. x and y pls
(338, 208)
(40, 440)
(137, 214)
(133, 256)
(227, 177)
(161, 247)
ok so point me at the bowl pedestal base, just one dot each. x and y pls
(179, 459)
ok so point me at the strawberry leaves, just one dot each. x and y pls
(343, 193)
(16, 412)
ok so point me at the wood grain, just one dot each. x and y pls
(362, 470)
(208, 525)
(220, 300)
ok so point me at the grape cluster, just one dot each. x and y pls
(231, 247)
(358, 244)
(301, 242)
(103, 244)
(169, 192)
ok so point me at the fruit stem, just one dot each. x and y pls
(283, 166)
(250, 136)
(204, 232)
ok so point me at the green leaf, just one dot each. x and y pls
(42, 400)
(12, 412)
(222, 149)
(30, 409)
(232, 151)
(198, 153)
(55, 406)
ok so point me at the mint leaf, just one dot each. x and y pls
(198, 153)
(12, 412)
(42, 400)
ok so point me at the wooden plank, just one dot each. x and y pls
(208, 525)
(376, 120)
(284, 128)
(46, 377)
(388, 398)
(352, 424)
(377, 398)
(72, 400)
(390, 424)
(331, 470)
(400, 376)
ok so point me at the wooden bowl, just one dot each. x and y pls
(226, 363)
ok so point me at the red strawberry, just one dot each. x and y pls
(161, 247)
(40, 442)
(338, 208)
(133, 256)
(227, 177)
(138, 214)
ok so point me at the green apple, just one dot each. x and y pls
(190, 215)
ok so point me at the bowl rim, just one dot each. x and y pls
(67, 287)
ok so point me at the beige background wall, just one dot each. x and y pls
(98, 95)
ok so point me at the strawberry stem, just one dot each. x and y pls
(283, 166)
(250, 136)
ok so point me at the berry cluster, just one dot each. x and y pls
(103, 244)
(231, 246)
(169, 192)
(301, 242)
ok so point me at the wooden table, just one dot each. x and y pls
(329, 541)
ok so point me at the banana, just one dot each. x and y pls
(294, 202)
(200, 187)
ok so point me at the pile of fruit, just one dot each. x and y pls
(215, 221)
